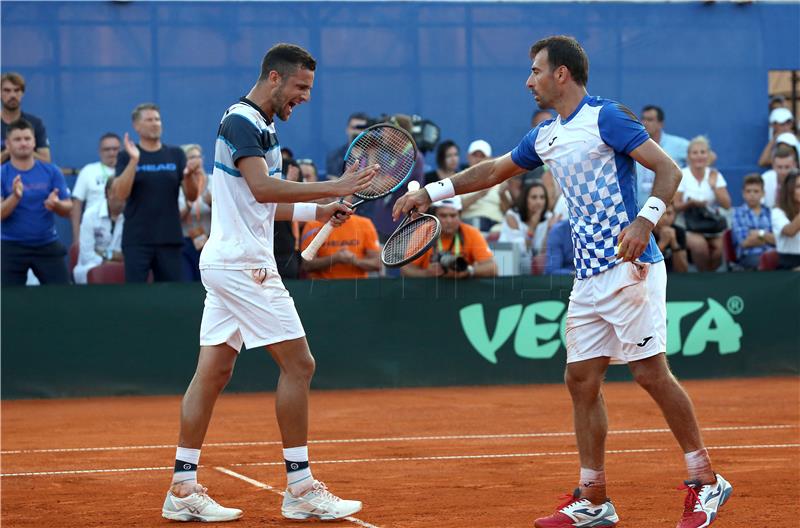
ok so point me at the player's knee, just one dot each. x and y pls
(304, 368)
(220, 376)
(653, 379)
(582, 385)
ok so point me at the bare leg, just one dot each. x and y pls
(654, 376)
(699, 250)
(584, 379)
(291, 397)
(715, 253)
(214, 369)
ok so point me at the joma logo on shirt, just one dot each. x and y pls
(157, 167)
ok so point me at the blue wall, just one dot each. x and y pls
(462, 65)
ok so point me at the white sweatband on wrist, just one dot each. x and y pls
(304, 212)
(652, 209)
(440, 190)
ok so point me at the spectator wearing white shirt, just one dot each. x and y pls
(90, 187)
(786, 223)
(702, 187)
(482, 209)
(781, 121)
(783, 161)
(100, 235)
(527, 224)
(195, 217)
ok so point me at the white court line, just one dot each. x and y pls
(402, 459)
(267, 487)
(395, 439)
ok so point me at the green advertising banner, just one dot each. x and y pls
(142, 339)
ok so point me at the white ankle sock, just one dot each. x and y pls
(592, 479)
(298, 472)
(186, 461)
(698, 464)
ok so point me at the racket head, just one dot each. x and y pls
(411, 240)
(389, 146)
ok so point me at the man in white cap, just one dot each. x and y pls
(481, 209)
(781, 121)
(461, 252)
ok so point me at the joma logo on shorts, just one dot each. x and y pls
(538, 329)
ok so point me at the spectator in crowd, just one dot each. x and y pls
(351, 251)
(461, 252)
(540, 116)
(675, 146)
(33, 192)
(148, 177)
(286, 154)
(527, 224)
(100, 234)
(12, 86)
(705, 190)
(286, 240)
(786, 223)
(481, 209)
(356, 123)
(776, 101)
(447, 160)
(380, 211)
(195, 216)
(308, 170)
(781, 121)
(751, 228)
(560, 251)
(90, 187)
(784, 159)
(671, 240)
(790, 140)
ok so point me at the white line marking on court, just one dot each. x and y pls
(395, 439)
(402, 459)
(267, 487)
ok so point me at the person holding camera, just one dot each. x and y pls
(461, 251)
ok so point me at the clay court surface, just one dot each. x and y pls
(445, 457)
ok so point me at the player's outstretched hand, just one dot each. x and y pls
(419, 200)
(353, 181)
(337, 212)
(633, 240)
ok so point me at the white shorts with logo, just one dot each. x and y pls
(247, 306)
(620, 313)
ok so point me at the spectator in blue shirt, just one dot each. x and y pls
(752, 225)
(12, 87)
(675, 146)
(560, 251)
(32, 192)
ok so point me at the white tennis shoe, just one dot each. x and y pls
(317, 503)
(197, 507)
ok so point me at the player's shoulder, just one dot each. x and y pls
(610, 106)
(241, 113)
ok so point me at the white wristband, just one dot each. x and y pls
(304, 212)
(652, 209)
(440, 190)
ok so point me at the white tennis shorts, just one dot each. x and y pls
(247, 306)
(620, 313)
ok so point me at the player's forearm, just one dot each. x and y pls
(123, 184)
(8, 205)
(478, 177)
(272, 190)
(668, 177)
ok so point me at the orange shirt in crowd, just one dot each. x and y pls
(473, 247)
(357, 235)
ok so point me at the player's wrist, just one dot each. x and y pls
(440, 190)
(653, 209)
(304, 212)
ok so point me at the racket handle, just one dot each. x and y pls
(311, 251)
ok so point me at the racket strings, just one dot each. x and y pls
(410, 240)
(392, 150)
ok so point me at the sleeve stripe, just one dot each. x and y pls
(229, 170)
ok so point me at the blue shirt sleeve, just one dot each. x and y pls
(740, 226)
(620, 129)
(5, 183)
(242, 136)
(524, 154)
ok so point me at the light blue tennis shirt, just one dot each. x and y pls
(589, 154)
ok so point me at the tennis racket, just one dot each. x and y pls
(413, 237)
(387, 145)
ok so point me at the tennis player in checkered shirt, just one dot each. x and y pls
(617, 309)
(246, 301)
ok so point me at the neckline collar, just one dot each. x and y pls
(248, 102)
(577, 109)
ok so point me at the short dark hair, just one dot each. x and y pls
(753, 179)
(784, 150)
(110, 135)
(137, 112)
(358, 115)
(441, 151)
(14, 78)
(286, 59)
(563, 50)
(19, 124)
(659, 112)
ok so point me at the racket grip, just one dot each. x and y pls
(311, 251)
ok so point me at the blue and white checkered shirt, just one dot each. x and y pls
(744, 219)
(589, 154)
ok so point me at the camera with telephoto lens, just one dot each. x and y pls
(450, 262)
(425, 132)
